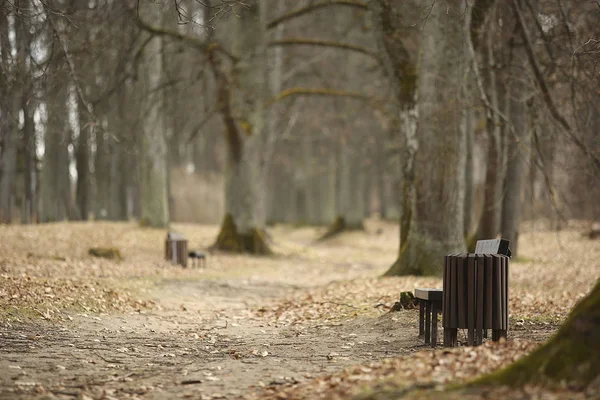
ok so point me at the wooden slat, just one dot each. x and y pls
(445, 289)
(488, 308)
(480, 269)
(470, 309)
(453, 306)
(462, 291)
(507, 260)
(427, 322)
(497, 294)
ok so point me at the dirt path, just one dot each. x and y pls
(203, 341)
(238, 326)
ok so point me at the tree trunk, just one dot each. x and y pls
(380, 175)
(517, 144)
(397, 39)
(436, 227)
(570, 356)
(55, 183)
(9, 115)
(8, 162)
(154, 202)
(489, 224)
(244, 223)
(102, 174)
(469, 184)
(29, 214)
(82, 163)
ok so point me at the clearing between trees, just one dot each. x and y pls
(313, 321)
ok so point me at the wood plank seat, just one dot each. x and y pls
(430, 305)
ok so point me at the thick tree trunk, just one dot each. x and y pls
(489, 223)
(397, 39)
(570, 356)
(244, 223)
(436, 227)
(154, 205)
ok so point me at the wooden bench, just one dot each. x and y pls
(430, 305)
(198, 258)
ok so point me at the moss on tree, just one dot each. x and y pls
(419, 256)
(230, 240)
(110, 253)
(571, 356)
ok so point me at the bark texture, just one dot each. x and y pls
(570, 356)
(437, 222)
(244, 178)
(518, 143)
(398, 38)
(153, 155)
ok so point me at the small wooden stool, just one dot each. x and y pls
(198, 258)
(430, 305)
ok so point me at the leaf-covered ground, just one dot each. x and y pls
(311, 322)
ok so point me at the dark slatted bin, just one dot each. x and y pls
(176, 249)
(475, 297)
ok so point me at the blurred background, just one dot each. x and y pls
(301, 112)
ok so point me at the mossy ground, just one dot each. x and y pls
(572, 355)
(110, 253)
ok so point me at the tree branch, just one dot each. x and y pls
(324, 43)
(478, 14)
(544, 87)
(315, 6)
(296, 91)
(202, 45)
(199, 126)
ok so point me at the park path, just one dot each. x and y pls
(205, 338)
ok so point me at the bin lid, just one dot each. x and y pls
(493, 246)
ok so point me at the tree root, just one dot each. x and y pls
(231, 241)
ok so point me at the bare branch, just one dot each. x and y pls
(300, 91)
(315, 6)
(199, 126)
(325, 43)
(544, 88)
(200, 44)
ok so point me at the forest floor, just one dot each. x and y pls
(313, 321)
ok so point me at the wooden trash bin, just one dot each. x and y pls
(475, 297)
(176, 249)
